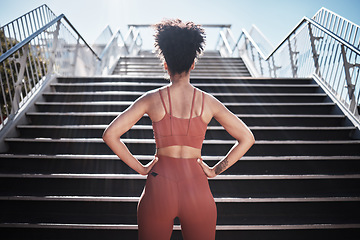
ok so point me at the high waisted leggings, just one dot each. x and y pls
(176, 187)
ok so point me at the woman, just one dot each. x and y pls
(177, 184)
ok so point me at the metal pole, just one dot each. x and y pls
(291, 55)
(76, 55)
(350, 86)
(313, 50)
(18, 84)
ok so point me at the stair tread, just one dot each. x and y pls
(218, 200)
(101, 93)
(150, 157)
(106, 78)
(238, 115)
(177, 227)
(130, 140)
(195, 84)
(141, 177)
(93, 126)
(225, 103)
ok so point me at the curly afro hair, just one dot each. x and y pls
(179, 43)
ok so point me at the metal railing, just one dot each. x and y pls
(102, 40)
(35, 47)
(111, 54)
(326, 47)
(133, 39)
(138, 32)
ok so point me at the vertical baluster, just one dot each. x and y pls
(350, 86)
(40, 43)
(7, 80)
(30, 56)
(315, 55)
(291, 56)
(337, 59)
(3, 108)
(9, 45)
(32, 45)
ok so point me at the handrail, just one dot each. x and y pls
(39, 45)
(226, 42)
(111, 54)
(105, 33)
(21, 44)
(42, 6)
(244, 32)
(134, 33)
(74, 29)
(322, 47)
(203, 25)
(131, 40)
(254, 44)
(108, 45)
(337, 38)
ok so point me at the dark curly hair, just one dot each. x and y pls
(179, 43)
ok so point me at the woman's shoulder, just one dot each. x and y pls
(208, 97)
(154, 92)
(152, 95)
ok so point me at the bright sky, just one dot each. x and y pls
(275, 18)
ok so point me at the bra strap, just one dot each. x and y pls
(203, 100)
(171, 125)
(192, 104)
(162, 100)
(168, 90)
(192, 108)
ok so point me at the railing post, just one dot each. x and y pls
(350, 86)
(19, 81)
(76, 55)
(274, 66)
(270, 69)
(261, 68)
(251, 50)
(54, 47)
(314, 52)
(291, 55)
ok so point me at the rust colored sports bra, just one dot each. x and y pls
(172, 131)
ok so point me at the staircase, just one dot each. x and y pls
(301, 179)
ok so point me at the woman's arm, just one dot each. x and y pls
(236, 128)
(122, 124)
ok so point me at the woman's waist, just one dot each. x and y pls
(177, 168)
(179, 140)
(183, 152)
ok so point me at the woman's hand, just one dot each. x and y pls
(147, 168)
(209, 172)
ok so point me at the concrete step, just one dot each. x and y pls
(223, 97)
(58, 118)
(110, 164)
(240, 211)
(213, 132)
(239, 108)
(228, 186)
(224, 232)
(215, 88)
(210, 147)
(233, 186)
(195, 80)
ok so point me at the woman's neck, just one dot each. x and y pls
(180, 79)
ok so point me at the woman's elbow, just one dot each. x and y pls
(251, 138)
(247, 139)
(106, 135)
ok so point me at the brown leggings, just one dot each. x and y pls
(176, 187)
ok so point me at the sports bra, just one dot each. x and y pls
(172, 131)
